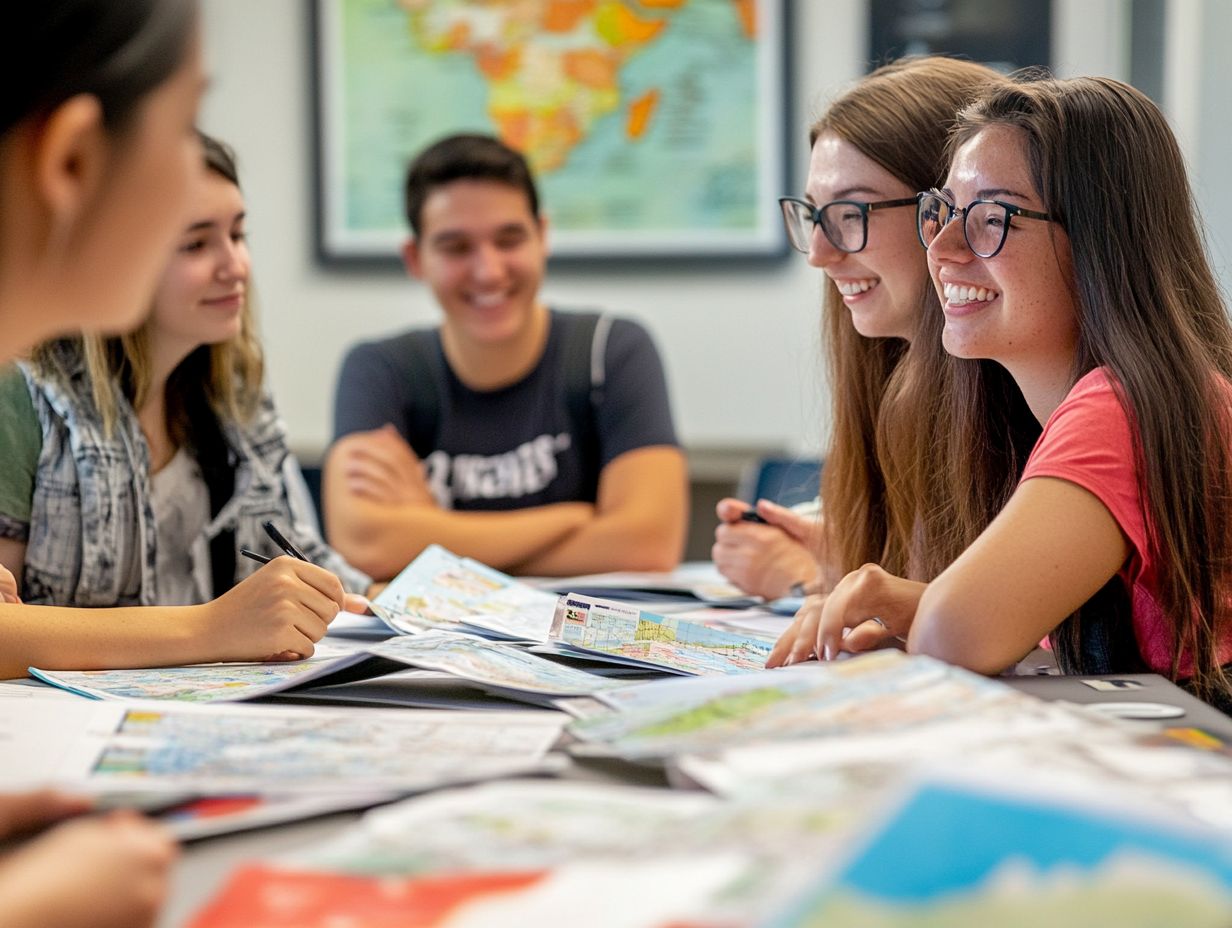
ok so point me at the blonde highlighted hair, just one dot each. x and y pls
(230, 372)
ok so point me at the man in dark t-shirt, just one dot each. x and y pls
(535, 440)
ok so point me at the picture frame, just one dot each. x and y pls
(655, 131)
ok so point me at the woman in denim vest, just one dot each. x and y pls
(146, 462)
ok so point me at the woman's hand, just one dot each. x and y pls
(21, 813)
(765, 559)
(106, 872)
(875, 605)
(280, 610)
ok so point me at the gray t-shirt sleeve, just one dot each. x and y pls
(634, 412)
(369, 391)
(21, 441)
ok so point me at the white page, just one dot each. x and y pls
(148, 745)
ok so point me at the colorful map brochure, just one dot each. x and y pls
(497, 667)
(698, 582)
(772, 849)
(205, 682)
(624, 634)
(883, 691)
(508, 671)
(441, 590)
(964, 856)
(227, 749)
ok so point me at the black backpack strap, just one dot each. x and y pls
(585, 352)
(424, 373)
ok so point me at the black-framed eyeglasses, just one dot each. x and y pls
(844, 222)
(984, 222)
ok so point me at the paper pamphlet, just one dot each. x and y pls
(699, 581)
(441, 590)
(993, 857)
(624, 633)
(108, 746)
(506, 670)
(879, 692)
(491, 664)
(667, 891)
(204, 682)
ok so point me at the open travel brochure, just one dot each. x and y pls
(103, 747)
(441, 590)
(500, 668)
(623, 633)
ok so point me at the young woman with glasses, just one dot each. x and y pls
(887, 495)
(1066, 248)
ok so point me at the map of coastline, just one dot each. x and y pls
(608, 99)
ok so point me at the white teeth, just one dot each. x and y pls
(487, 299)
(956, 294)
(852, 287)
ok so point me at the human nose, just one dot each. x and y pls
(486, 263)
(234, 264)
(951, 243)
(822, 252)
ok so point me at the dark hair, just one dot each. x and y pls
(889, 496)
(116, 50)
(219, 158)
(1102, 160)
(465, 157)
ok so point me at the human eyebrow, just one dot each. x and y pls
(849, 192)
(449, 238)
(946, 192)
(992, 193)
(203, 226)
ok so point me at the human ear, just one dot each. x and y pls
(411, 258)
(69, 163)
(542, 222)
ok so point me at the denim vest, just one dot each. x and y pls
(91, 517)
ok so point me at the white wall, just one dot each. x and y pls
(741, 346)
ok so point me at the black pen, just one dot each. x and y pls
(259, 558)
(280, 540)
(750, 515)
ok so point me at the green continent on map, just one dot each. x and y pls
(721, 709)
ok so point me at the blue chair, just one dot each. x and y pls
(786, 481)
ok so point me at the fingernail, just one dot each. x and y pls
(826, 650)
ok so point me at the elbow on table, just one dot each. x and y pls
(369, 554)
(943, 629)
(655, 550)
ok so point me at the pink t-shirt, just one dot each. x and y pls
(1088, 441)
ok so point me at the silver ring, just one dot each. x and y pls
(879, 621)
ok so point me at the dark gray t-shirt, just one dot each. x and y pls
(518, 446)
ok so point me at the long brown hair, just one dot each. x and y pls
(229, 372)
(890, 494)
(1110, 172)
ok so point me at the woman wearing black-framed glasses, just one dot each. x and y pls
(886, 495)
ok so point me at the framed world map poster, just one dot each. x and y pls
(654, 127)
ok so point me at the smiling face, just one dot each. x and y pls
(1017, 308)
(483, 252)
(201, 296)
(881, 284)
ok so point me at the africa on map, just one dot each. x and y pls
(651, 125)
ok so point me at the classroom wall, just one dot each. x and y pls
(741, 344)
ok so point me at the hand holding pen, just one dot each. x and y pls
(280, 540)
(353, 602)
(280, 611)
